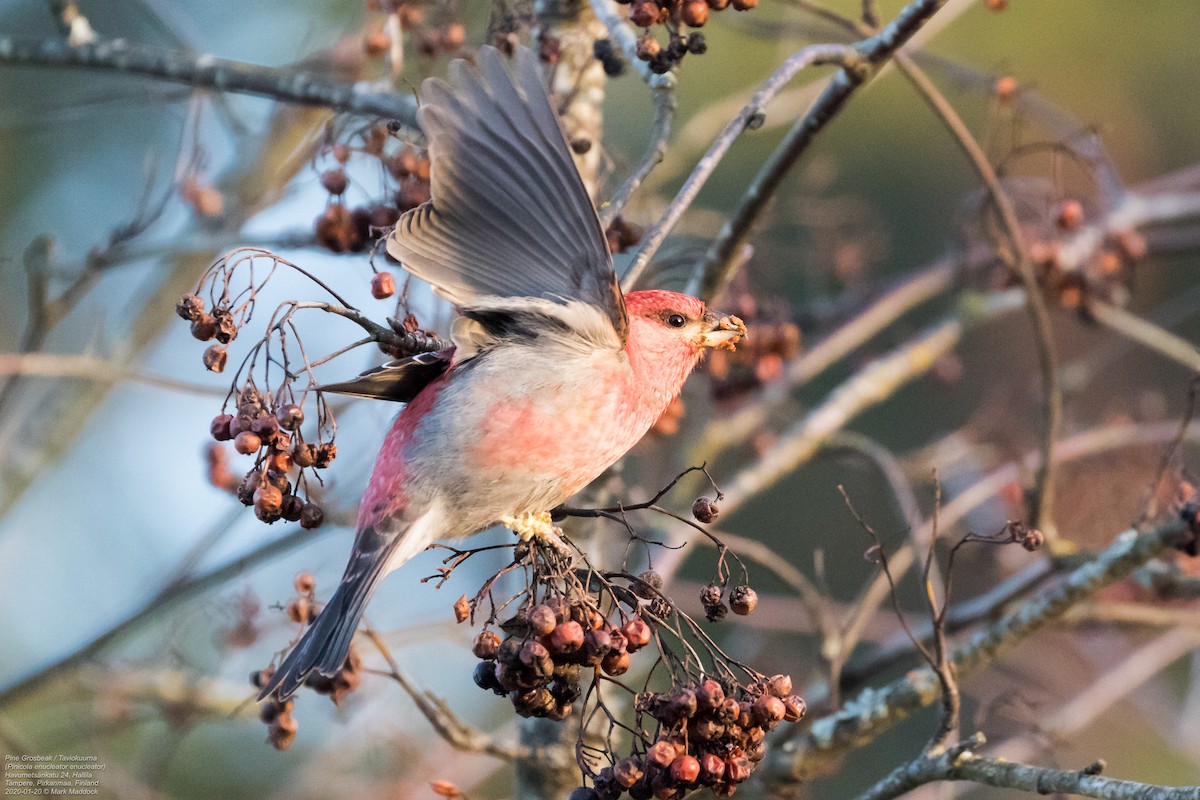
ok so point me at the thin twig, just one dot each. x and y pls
(812, 55)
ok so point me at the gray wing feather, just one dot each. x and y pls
(509, 216)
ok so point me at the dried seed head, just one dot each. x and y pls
(710, 595)
(326, 453)
(649, 584)
(462, 609)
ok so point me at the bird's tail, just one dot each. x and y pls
(326, 643)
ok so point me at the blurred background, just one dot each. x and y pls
(117, 192)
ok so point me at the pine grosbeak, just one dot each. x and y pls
(554, 374)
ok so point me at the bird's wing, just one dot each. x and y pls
(398, 380)
(510, 227)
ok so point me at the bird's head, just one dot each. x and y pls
(671, 331)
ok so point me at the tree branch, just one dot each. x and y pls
(205, 72)
(875, 710)
(962, 764)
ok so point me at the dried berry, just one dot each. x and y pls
(462, 609)
(647, 48)
(694, 13)
(743, 600)
(794, 708)
(710, 595)
(204, 327)
(247, 443)
(311, 516)
(304, 455)
(541, 619)
(383, 285)
(615, 663)
(268, 499)
(637, 634)
(566, 638)
(769, 710)
(685, 769)
(326, 453)
(219, 427)
(335, 181)
(486, 645)
(780, 685)
(190, 307)
(661, 753)
(290, 416)
(705, 510)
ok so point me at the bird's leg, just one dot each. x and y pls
(530, 526)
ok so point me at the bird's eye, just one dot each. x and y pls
(676, 321)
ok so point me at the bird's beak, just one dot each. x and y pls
(721, 330)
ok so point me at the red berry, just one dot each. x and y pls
(383, 285)
(204, 327)
(486, 645)
(637, 633)
(712, 767)
(743, 600)
(661, 753)
(566, 638)
(685, 769)
(290, 416)
(247, 443)
(794, 708)
(219, 427)
(615, 664)
(335, 181)
(694, 13)
(541, 619)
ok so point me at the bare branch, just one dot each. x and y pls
(962, 764)
(206, 72)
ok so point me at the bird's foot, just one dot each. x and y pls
(536, 526)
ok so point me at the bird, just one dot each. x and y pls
(554, 373)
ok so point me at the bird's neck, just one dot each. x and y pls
(658, 370)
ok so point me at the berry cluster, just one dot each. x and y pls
(447, 37)
(672, 16)
(277, 714)
(710, 735)
(539, 663)
(273, 437)
(742, 601)
(219, 325)
(405, 185)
